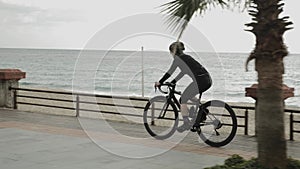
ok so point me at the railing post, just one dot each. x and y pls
(291, 126)
(246, 122)
(9, 78)
(15, 106)
(77, 105)
(152, 114)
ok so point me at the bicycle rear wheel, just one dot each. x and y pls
(160, 117)
(220, 125)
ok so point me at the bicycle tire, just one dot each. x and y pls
(160, 128)
(209, 135)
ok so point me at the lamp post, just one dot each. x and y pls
(143, 80)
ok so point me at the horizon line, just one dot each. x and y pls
(125, 50)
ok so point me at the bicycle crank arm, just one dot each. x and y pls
(195, 129)
(217, 133)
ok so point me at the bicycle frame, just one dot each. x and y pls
(171, 94)
(172, 98)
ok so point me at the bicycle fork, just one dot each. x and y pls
(161, 114)
(163, 111)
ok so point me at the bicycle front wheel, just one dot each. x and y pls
(220, 125)
(160, 117)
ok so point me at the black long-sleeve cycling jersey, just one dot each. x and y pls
(187, 65)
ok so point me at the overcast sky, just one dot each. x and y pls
(69, 24)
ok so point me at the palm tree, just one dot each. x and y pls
(268, 54)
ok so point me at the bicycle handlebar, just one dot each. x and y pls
(171, 87)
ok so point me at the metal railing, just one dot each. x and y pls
(293, 122)
(77, 101)
(78, 106)
(245, 117)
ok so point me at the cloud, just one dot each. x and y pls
(22, 15)
(25, 25)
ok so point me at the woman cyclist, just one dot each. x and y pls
(201, 80)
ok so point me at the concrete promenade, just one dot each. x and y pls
(40, 141)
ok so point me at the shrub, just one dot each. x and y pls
(293, 164)
(238, 162)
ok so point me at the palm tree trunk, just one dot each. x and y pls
(270, 110)
(269, 53)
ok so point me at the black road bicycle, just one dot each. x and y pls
(214, 121)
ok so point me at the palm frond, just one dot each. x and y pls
(180, 12)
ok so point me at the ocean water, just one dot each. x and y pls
(134, 72)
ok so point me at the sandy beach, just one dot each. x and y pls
(134, 108)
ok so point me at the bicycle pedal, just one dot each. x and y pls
(195, 129)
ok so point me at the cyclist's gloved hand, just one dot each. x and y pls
(157, 84)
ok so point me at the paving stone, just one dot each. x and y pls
(35, 141)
